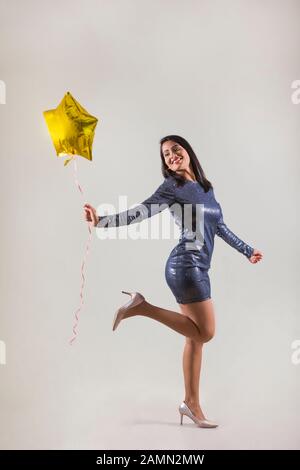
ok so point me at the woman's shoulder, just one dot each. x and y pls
(167, 186)
(169, 180)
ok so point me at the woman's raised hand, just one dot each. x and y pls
(90, 215)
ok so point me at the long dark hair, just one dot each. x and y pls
(197, 168)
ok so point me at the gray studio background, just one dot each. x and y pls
(219, 74)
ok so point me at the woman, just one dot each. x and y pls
(185, 190)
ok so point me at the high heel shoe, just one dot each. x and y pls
(202, 423)
(136, 299)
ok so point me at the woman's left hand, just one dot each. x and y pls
(256, 256)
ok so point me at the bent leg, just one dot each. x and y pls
(195, 322)
(202, 314)
(174, 320)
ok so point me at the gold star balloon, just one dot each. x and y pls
(71, 128)
(72, 131)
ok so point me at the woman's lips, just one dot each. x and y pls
(177, 160)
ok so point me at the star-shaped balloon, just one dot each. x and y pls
(71, 128)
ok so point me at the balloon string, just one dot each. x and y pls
(75, 175)
(87, 249)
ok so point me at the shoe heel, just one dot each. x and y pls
(124, 292)
(181, 418)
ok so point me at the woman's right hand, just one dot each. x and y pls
(90, 215)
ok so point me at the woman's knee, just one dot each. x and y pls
(202, 314)
(195, 343)
(207, 334)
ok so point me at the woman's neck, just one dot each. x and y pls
(188, 175)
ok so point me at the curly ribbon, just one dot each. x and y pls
(87, 249)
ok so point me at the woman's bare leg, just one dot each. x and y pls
(183, 324)
(203, 312)
(192, 358)
(197, 324)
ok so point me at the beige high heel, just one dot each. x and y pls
(136, 299)
(202, 423)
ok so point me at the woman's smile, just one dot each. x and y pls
(176, 160)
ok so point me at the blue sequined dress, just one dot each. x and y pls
(200, 218)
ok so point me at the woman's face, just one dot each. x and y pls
(176, 157)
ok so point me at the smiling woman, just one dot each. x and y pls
(179, 160)
(175, 156)
(185, 186)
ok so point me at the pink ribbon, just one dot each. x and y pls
(87, 249)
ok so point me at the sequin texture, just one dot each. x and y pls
(199, 217)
